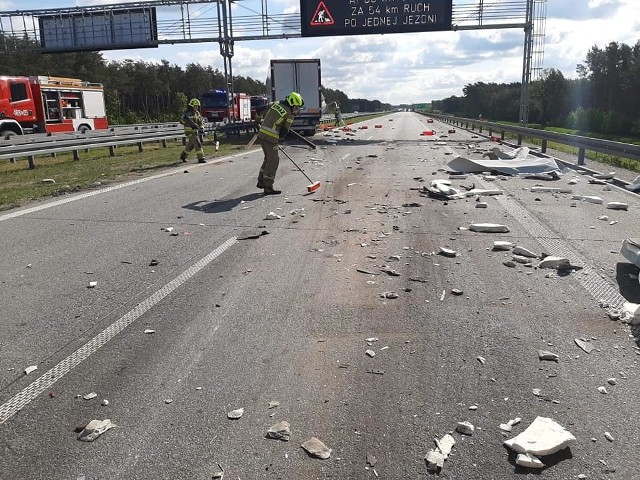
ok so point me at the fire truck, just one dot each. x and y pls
(43, 104)
(218, 106)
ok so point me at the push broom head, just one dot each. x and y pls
(313, 187)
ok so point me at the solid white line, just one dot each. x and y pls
(346, 156)
(26, 211)
(29, 393)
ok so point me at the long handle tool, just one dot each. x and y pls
(308, 142)
(314, 185)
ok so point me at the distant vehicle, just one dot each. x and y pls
(43, 104)
(217, 106)
(429, 120)
(258, 104)
(302, 76)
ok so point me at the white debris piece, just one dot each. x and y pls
(630, 313)
(94, 429)
(280, 431)
(488, 228)
(235, 414)
(521, 259)
(603, 390)
(89, 396)
(588, 198)
(448, 252)
(272, 216)
(435, 460)
(634, 186)
(30, 369)
(528, 460)
(554, 262)
(630, 250)
(465, 428)
(608, 436)
(445, 444)
(149, 331)
(543, 437)
(546, 355)
(316, 448)
(603, 176)
(612, 381)
(482, 360)
(584, 345)
(372, 339)
(92, 284)
(617, 206)
(482, 205)
(371, 353)
(502, 245)
(518, 250)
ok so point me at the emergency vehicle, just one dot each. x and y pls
(43, 104)
(217, 106)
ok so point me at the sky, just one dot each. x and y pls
(408, 68)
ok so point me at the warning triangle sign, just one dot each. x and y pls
(322, 16)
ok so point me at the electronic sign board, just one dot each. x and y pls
(102, 30)
(362, 17)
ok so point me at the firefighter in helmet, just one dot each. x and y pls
(193, 130)
(275, 126)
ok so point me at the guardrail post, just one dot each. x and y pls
(112, 150)
(544, 146)
(32, 162)
(76, 155)
(184, 141)
(490, 131)
(479, 128)
(581, 156)
(164, 143)
(140, 147)
(502, 135)
(519, 139)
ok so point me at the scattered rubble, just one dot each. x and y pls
(465, 428)
(280, 431)
(316, 448)
(488, 228)
(235, 414)
(30, 369)
(584, 345)
(514, 162)
(546, 355)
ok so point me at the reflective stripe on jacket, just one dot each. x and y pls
(278, 116)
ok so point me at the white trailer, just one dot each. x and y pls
(302, 76)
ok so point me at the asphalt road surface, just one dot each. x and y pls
(240, 311)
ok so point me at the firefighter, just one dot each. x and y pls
(275, 126)
(193, 122)
(338, 122)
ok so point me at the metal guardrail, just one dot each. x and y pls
(30, 146)
(618, 149)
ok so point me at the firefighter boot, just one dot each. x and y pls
(202, 160)
(183, 156)
(271, 191)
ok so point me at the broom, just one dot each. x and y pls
(314, 185)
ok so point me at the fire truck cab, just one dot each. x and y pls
(43, 104)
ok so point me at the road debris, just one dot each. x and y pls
(630, 250)
(371, 353)
(528, 460)
(523, 252)
(617, 206)
(90, 396)
(273, 404)
(218, 475)
(448, 252)
(389, 295)
(603, 390)
(92, 284)
(588, 198)
(371, 460)
(235, 414)
(316, 448)
(515, 162)
(546, 355)
(507, 427)
(608, 436)
(465, 428)
(435, 460)
(488, 228)
(445, 445)
(94, 429)
(280, 431)
(149, 331)
(30, 369)
(272, 216)
(584, 345)
(502, 245)
(543, 437)
(554, 262)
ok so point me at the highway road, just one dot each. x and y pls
(181, 297)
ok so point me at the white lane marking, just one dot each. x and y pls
(346, 156)
(29, 393)
(81, 196)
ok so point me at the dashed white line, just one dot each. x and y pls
(29, 393)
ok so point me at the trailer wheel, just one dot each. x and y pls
(84, 128)
(6, 134)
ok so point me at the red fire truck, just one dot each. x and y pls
(43, 104)
(217, 106)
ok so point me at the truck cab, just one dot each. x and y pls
(17, 106)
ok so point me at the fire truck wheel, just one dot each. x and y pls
(7, 133)
(84, 128)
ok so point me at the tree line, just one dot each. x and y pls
(138, 91)
(605, 98)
